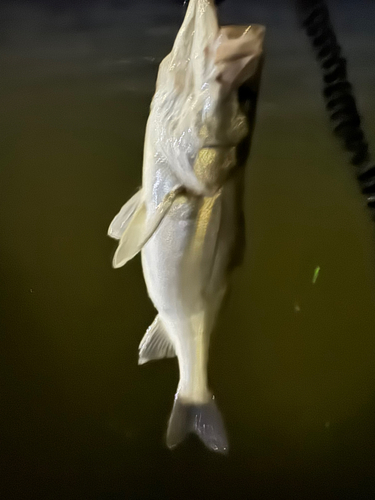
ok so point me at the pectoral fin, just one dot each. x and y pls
(140, 228)
(122, 219)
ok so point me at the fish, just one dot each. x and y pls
(185, 218)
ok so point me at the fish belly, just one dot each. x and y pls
(188, 299)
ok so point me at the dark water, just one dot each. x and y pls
(292, 362)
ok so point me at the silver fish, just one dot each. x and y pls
(185, 217)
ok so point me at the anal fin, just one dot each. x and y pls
(155, 343)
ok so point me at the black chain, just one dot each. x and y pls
(338, 93)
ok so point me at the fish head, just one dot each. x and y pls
(236, 62)
(199, 119)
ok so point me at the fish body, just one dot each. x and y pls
(185, 218)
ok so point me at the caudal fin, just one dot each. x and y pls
(203, 419)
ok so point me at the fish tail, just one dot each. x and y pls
(202, 419)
